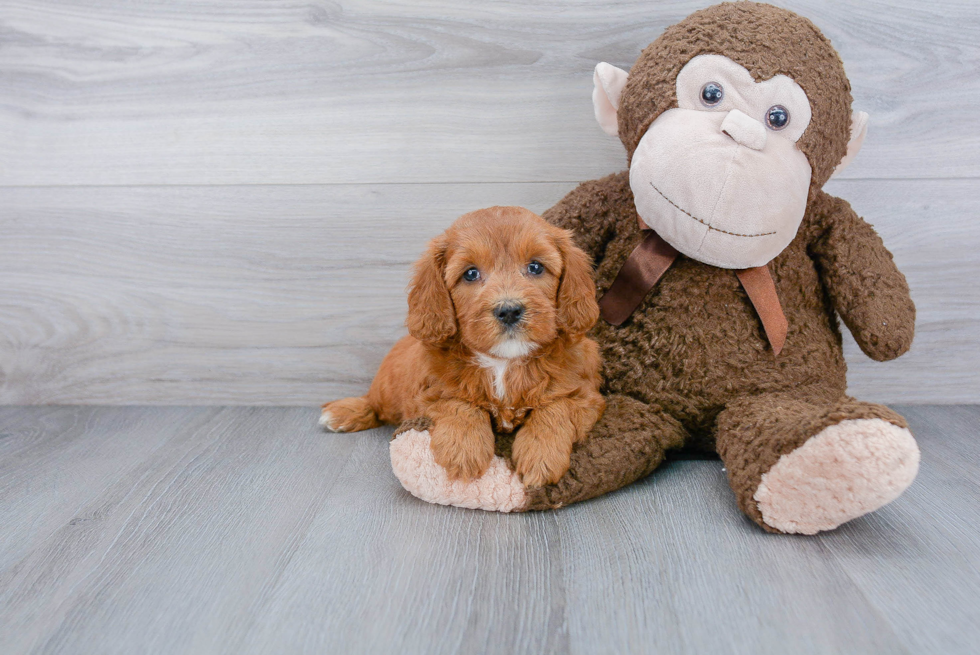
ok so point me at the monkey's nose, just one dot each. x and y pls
(744, 130)
(508, 313)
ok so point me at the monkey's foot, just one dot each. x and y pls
(498, 490)
(841, 473)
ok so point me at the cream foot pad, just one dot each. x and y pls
(845, 471)
(499, 489)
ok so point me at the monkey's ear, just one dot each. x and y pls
(609, 82)
(859, 128)
(431, 315)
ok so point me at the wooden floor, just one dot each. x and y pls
(244, 530)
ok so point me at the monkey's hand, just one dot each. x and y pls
(867, 289)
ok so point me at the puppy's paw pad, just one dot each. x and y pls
(463, 467)
(348, 415)
(539, 466)
(327, 422)
(499, 489)
(332, 423)
(463, 456)
(540, 476)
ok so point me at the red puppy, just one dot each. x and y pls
(498, 310)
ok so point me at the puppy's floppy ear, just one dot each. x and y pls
(431, 315)
(577, 307)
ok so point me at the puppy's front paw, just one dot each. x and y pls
(540, 459)
(465, 456)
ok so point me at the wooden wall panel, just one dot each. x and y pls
(260, 91)
(292, 294)
(217, 202)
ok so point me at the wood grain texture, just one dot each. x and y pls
(97, 446)
(931, 534)
(292, 295)
(257, 92)
(246, 530)
(261, 257)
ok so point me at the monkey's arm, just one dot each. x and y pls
(591, 211)
(866, 288)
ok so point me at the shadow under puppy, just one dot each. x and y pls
(497, 314)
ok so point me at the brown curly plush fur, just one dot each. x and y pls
(692, 366)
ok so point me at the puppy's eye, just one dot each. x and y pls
(472, 274)
(535, 268)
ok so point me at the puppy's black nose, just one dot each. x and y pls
(509, 313)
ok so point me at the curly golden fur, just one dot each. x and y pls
(472, 370)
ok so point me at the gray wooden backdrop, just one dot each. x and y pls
(218, 201)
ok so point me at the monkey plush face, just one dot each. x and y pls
(719, 177)
(725, 141)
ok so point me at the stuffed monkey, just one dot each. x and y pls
(722, 268)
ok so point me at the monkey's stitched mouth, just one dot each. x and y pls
(687, 213)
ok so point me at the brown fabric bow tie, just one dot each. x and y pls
(651, 259)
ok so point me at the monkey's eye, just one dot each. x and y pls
(711, 94)
(777, 117)
(472, 274)
(535, 268)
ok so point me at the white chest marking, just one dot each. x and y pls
(499, 368)
(513, 348)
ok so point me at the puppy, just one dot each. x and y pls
(497, 313)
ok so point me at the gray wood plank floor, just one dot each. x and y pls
(246, 530)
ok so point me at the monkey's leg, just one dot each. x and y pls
(627, 443)
(803, 466)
